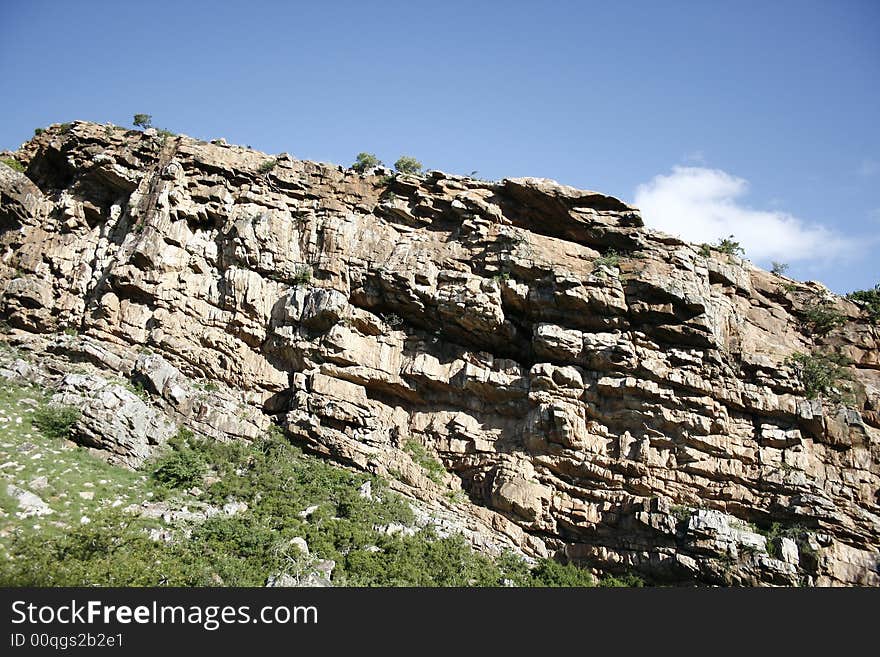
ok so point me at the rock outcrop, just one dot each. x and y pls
(593, 389)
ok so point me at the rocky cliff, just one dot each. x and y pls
(594, 390)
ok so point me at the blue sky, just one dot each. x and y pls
(753, 118)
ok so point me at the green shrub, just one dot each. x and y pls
(267, 166)
(277, 482)
(611, 259)
(112, 550)
(183, 466)
(870, 300)
(798, 533)
(551, 573)
(822, 317)
(628, 580)
(56, 420)
(302, 275)
(365, 161)
(425, 460)
(726, 245)
(13, 164)
(779, 268)
(137, 388)
(822, 374)
(64, 128)
(408, 165)
(143, 120)
(682, 513)
(39, 131)
(730, 246)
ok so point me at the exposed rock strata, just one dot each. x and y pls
(633, 415)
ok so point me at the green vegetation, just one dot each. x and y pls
(798, 533)
(302, 275)
(65, 127)
(13, 164)
(822, 317)
(779, 268)
(73, 482)
(164, 135)
(183, 467)
(267, 166)
(391, 319)
(137, 388)
(822, 374)
(408, 165)
(726, 245)
(432, 467)
(143, 120)
(682, 513)
(207, 385)
(730, 246)
(870, 300)
(611, 259)
(55, 421)
(365, 161)
(288, 494)
(39, 131)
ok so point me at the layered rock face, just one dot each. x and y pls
(596, 390)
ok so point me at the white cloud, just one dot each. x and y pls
(703, 205)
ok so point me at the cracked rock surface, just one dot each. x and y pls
(591, 388)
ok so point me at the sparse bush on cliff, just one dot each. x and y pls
(267, 166)
(870, 300)
(13, 164)
(730, 246)
(432, 467)
(408, 165)
(779, 268)
(822, 374)
(822, 317)
(143, 120)
(302, 275)
(365, 161)
(610, 259)
(727, 245)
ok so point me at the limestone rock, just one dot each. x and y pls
(29, 503)
(113, 418)
(631, 411)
